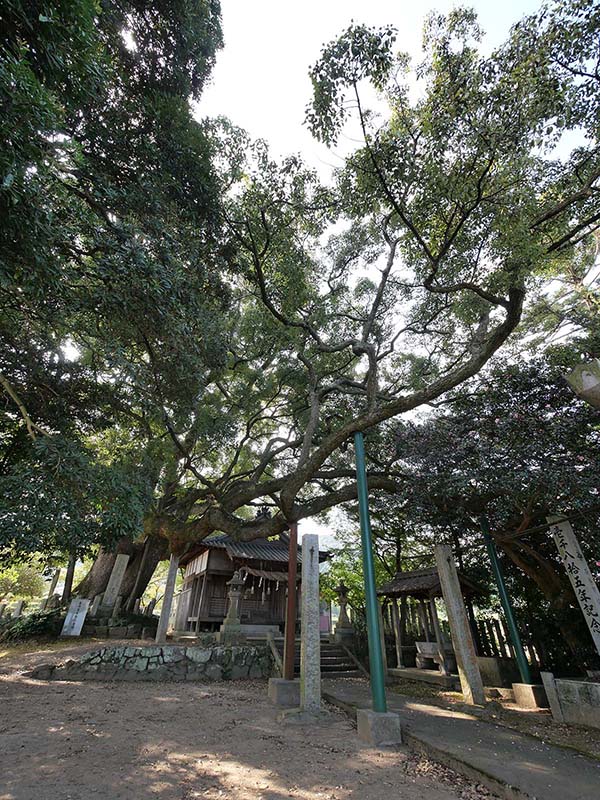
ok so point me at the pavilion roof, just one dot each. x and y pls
(422, 583)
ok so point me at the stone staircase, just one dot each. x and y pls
(335, 662)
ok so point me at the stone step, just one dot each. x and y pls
(350, 673)
(335, 667)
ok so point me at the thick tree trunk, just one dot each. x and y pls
(67, 589)
(96, 580)
(165, 613)
(132, 588)
(555, 589)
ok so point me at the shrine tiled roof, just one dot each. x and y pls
(255, 550)
(422, 583)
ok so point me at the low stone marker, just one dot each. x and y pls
(117, 607)
(75, 617)
(95, 607)
(149, 610)
(17, 609)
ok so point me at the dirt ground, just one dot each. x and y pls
(181, 741)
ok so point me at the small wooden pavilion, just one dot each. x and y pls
(423, 586)
(263, 564)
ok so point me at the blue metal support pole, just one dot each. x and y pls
(522, 662)
(375, 654)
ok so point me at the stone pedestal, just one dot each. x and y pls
(284, 693)
(230, 631)
(377, 728)
(530, 695)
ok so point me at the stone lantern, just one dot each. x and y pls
(230, 631)
(344, 631)
(585, 382)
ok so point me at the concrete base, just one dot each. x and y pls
(297, 716)
(285, 694)
(530, 695)
(377, 728)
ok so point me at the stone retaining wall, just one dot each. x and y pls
(166, 663)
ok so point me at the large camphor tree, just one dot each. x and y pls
(455, 204)
(446, 214)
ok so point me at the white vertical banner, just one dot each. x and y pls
(579, 573)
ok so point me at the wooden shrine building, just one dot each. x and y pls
(263, 564)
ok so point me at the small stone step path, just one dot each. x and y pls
(509, 763)
(335, 662)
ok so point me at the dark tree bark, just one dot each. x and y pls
(156, 551)
(96, 580)
(556, 589)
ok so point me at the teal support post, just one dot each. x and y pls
(522, 662)
(375, 655)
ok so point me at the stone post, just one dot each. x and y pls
(439, 639)
(310, 647)
(53, 583)
(397, 634)
(113, 588)
(149, 610)
(464, 649)
(165, 612)
(382, 640)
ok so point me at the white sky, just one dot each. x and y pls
(261, 78)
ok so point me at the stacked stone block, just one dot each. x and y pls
(164, 663)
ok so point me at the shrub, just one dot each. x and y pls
(39, 625)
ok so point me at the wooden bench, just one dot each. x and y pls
(428, 654)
